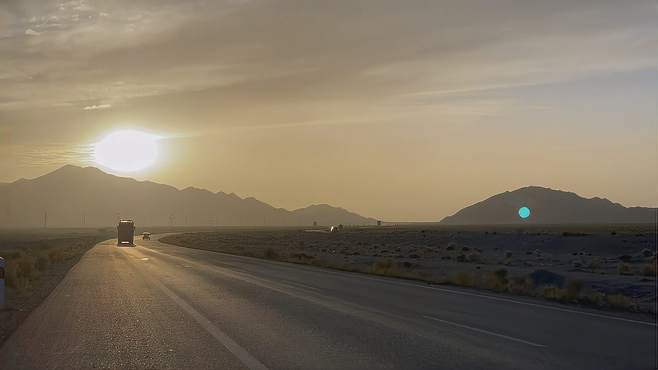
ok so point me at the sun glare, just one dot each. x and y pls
(127, 150)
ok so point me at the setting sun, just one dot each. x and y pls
(127, 150)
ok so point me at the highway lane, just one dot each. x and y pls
(162, 306)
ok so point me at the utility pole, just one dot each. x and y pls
(45, 219)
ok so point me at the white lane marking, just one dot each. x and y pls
(542, 306)
(485, 332)
(238, 351)
(446, 290)
(298, 285)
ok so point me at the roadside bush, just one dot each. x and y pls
(463, 279)
(593, 298)
(474, 257)
(271, 254)
(574, 287)
(521, 285)
(595, 263)
(649, 269)
(385, 267)
(619, 301)
(20, 272)
(56, 255)
(43, 262)
(554, 293)
(624, 269)
(496, 280)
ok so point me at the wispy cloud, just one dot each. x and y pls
(31, 32)
(180, 46)
(50, 154)
(97, 107)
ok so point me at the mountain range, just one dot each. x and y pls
(73, 196)
(548, 206)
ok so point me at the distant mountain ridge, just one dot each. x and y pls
(73, 196)
(548, 206)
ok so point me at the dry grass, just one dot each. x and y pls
(620, 302)
(624, 269)
(394, 253)
(25, 266)
(650, 268)
(271, 254)
(385, 267)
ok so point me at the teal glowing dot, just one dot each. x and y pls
(524, 212)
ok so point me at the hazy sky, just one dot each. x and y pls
(401, 110)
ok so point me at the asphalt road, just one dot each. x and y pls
(161, 306)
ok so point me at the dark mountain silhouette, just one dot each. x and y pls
(74, 196)
(549, 206)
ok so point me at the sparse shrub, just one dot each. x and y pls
(496, 280)
(570, 233)
(319, 262)
(42, 262)
(271, 254)
(501, 274)
(619, 301)
(425, 275)
(301, 256)
(554, 293)
(384, 267)
(595, 263)
(649, 269)
(647, 253)
(624, 269)
(473, 257)
(593, 298)
(521, 285)
(463, 279)
(574, 287)
(11, 273)
(544, 277)
(27, 268)
(625, 258)
(55, 255)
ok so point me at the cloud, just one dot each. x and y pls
(50, 154)
(253, 53)
(31, 32)
(97, 107)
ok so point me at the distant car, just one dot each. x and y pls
(146, 236)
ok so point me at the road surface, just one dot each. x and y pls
(162, 306)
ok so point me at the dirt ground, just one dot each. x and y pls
(604, 266)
